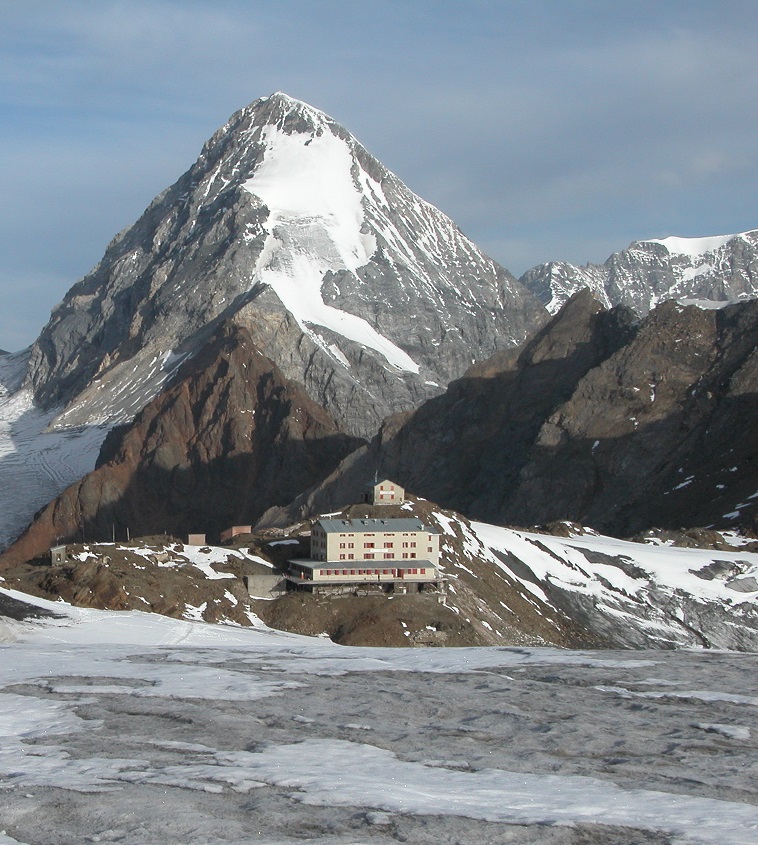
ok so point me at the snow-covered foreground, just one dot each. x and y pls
(136, 728)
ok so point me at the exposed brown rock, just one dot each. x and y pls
(229, 439)
(149, 575)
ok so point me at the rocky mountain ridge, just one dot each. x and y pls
(713, 270)
(512, 438)
(619, 424)
(367, 295)
(228, 438)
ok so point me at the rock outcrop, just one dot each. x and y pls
(599, 420)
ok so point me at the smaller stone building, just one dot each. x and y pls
(385, 492)
(58, 555)
(235, 531)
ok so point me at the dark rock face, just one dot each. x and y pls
(486, 423)
(229, 439)
(596, 420)
(210, 248)
(659, 434)
(721, 269)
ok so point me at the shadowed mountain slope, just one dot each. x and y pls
(596, 420)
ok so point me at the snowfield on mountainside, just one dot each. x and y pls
(35, 464)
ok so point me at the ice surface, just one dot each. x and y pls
(37, 464)
(220, 734)
(43, 452)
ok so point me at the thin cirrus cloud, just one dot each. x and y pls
(547, 130)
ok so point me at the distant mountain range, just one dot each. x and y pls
(289, 319)
(708, 270)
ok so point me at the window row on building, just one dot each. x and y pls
(372, 556)
(394, 572)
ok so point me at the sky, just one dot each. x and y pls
(547, 129)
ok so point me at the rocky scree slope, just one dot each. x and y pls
(367, 295)
(717, 269)
(228, 439)
(598, 419)
(157, 574)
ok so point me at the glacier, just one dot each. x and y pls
(132, 727)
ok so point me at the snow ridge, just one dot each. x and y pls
(694, 248)
(722, 268)
(640, 594)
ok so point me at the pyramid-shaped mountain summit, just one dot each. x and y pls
(287, 226)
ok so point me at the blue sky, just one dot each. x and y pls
(547, 129)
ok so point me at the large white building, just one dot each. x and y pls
(399, 554)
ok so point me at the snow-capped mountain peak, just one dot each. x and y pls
(378, 296)
(280, 108)
(286, 226)
(717, 269)
(315, 225)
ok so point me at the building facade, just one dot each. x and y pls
(399, 555)
(235, 531)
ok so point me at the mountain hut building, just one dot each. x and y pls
(385, 555)
(384, 492)
(235, 531)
